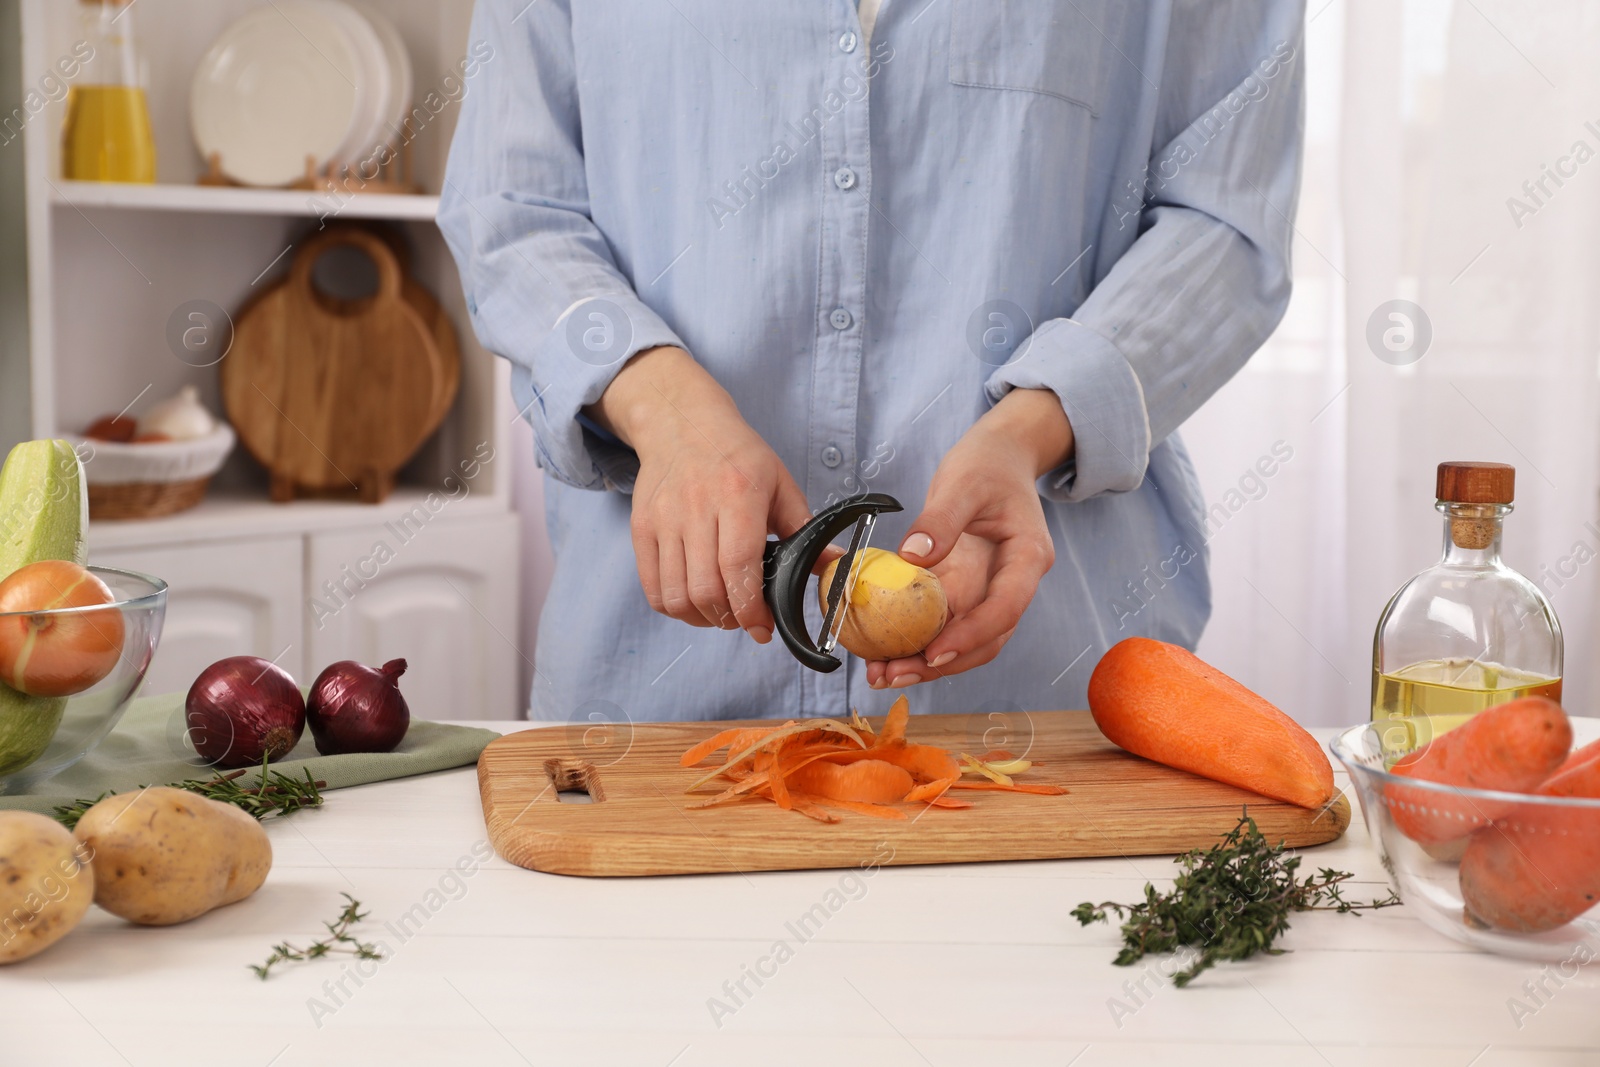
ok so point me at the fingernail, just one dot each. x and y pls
(942, 659)
(879, 684)
(905, 680)
(761, 634)
(918, 544)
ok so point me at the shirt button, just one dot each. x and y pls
(845, 178)
(840, 318)
(847, 41)
(832, 457)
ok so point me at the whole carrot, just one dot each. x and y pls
(1538, 866)
(1164, 703)
(1510, 748)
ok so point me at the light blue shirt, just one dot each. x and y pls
(867, 245)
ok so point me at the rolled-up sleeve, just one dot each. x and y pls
(1208, 278)
(542, 285)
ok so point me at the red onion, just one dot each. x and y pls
(358, 709)
(243, 708)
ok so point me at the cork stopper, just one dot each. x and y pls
(1488, 484)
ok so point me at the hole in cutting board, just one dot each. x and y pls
(575, 781)
(343, 275)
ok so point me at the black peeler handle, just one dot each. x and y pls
(786, 569)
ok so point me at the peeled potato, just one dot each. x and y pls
(895, 609)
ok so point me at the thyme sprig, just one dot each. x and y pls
(274, 793)
(1230, 902)
(339, 940)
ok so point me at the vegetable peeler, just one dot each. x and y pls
(786, 568)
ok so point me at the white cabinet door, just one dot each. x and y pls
(439, 593)
(226, 598)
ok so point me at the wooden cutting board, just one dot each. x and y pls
(334, 396)
(637, 824)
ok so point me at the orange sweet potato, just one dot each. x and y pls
(1538, 866)
(1510, 748)
(1576, 777)
(1578, 756)
(1162, 702)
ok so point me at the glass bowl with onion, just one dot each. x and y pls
(1516, 874)
(67, 674)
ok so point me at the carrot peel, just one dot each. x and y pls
(820, 766)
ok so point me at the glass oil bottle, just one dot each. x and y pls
(1469, 632)
(106, 135)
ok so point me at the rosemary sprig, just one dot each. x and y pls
(339, 939)
(274, 793)
(1231, 901)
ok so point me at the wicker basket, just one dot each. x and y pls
(144, 500)
(146, 481)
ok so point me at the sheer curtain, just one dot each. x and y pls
(1425, 120)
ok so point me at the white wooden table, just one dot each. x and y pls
(959, 966)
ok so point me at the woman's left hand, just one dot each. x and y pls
(982, 531)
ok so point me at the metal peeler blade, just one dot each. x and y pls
(844, 581)
(786, 573)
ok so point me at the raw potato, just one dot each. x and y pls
(896, 608)
(44, 888)
(164, 856)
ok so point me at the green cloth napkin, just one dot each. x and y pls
(146, 749)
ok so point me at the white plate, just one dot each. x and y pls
(373, 79)
(401, 78)
(282, 83)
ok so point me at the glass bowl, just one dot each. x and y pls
(42, 735)
(1530, 855)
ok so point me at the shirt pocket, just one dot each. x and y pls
(1048, 47)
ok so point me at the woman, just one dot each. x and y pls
(985, 256)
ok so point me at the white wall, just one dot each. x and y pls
(14, 422)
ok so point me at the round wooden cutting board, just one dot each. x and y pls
(333, 396)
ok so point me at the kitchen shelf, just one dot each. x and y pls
(239, 515)
(226, 200)
(111, 271)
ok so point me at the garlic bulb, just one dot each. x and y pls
(181, 418)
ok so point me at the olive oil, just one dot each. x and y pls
(106, 137)
(1432, 697)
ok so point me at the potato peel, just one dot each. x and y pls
(988, 770)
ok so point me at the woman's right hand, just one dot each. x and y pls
(708, 492)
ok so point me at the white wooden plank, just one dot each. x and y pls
(231, 515)
(924, 967)
(222, 200)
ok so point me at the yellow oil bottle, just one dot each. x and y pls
(106, 136)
